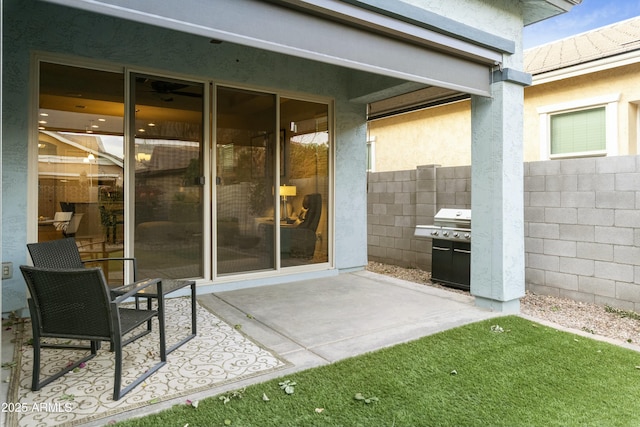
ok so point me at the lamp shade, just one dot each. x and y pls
(287, 190)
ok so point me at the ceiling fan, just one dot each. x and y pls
(166, 90)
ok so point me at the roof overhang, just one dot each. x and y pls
(539, 10)
(424, 55)
(426, 49)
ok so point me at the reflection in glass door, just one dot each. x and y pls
(245, 163)
(81, 161)
(168, 188)
(304, 182)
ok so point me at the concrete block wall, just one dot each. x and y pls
(397, 201)
(391, 213)
(582, 223)
(582, 229)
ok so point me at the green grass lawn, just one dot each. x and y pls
(518, 374)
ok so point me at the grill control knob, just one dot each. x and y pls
(434, 233)
(445, 233)
(467, 236)
(456, 234)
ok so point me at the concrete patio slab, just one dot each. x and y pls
(317, 322)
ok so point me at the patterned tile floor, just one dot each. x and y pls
(219, 354)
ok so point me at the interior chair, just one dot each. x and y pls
(303, 237)
(61, 220)
(72, 226)
(76, 304)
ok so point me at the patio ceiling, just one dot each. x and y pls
(429, 59)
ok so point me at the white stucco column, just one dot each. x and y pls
(497, 205)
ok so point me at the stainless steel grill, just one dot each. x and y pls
(448, 224)
(450, 248)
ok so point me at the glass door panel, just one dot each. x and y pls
(168, 189)
(81, 160)
(304, 178)
(245, 162)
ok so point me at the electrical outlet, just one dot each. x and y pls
(7, 270)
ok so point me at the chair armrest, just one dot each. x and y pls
(133, 288)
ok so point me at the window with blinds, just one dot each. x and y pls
(578, 132)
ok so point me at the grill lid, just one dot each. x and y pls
(453, 218)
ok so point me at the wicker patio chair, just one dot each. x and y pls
(77, 304)
(64, 253)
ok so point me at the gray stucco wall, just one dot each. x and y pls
(34, 26)
(582, 223)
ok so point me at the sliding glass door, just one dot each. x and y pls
(142, 188)
(246, 138)
(169, 176)
(81, 161)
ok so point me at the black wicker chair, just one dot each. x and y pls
(64, 253)
(77, 304)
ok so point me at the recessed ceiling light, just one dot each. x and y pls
(141, 130)
(152, 124)
(95, 126)
(44, 114)
(42, 122)
(89, 131)
(102, 120)
(41, 128)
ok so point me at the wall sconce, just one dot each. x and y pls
(286, 191)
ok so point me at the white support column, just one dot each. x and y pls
(497, 208)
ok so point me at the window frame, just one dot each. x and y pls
(610, 104)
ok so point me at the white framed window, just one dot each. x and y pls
(581, 128)
(371, 154)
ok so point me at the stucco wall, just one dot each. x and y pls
(37, 26)
(624, 80)
(442, 135)
(431, 136)
(582, 228)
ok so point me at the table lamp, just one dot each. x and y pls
(285, 191)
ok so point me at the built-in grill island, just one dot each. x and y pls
(450, 247)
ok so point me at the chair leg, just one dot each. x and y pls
(36, 384)
(119, 392)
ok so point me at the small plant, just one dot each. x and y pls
(367, 400)
(622, 313)
(288, 386)
(236, 394)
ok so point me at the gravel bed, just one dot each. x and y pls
(621, 326)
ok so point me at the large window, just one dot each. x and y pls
(579, 128)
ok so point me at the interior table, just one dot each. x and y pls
(158, 292)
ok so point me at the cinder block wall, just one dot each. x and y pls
(582, 223)
(582, 229)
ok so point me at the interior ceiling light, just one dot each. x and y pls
(95, 126)
(152, 124)
(141, 130)
(42, 122)
(41, 128)
(102, 120)
(44, 114)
